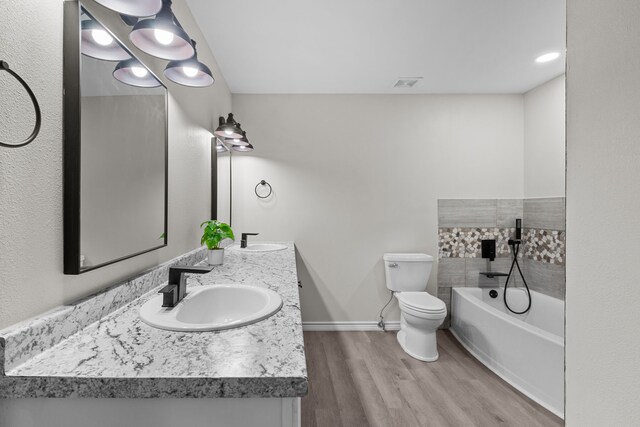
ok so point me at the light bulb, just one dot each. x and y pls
(101, 37)
(190, 71)
(228, 131)
(163, 36)
(139, 71)
(547, 57)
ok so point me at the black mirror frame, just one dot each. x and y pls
(72, 145)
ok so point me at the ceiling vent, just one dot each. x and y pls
(407, 82)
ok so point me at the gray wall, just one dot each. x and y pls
(544, 140)
(31, 178)
(603, 201)
(357, 176)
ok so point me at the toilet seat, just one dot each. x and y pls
(421, 302)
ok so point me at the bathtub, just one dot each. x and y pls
(526, 350)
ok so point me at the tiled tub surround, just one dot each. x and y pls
(464, 223)
(120, 356)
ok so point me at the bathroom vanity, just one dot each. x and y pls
(97, 363)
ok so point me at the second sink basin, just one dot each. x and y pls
(260, 247)
(213, 307)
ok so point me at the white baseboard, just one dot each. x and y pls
(392, 325)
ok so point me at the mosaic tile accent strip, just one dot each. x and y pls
(465, 242)
(545, 245)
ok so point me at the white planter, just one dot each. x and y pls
(216, 256)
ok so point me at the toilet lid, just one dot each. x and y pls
(422, 301)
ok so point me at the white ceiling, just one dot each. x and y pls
(364, 46)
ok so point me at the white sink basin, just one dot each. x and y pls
(213, 307)
(260, 247)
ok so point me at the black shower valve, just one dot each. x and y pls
(489, 249)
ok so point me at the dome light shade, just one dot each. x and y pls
(228, 128)
(238, 141)
(220, 147)
(242, 148)
(97, 43)
(132, 73)
(133, 8)
(162, 36)
(190, 72)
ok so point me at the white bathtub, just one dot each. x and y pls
(526, 350)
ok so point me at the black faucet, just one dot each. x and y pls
(243, 240)
(176, 289)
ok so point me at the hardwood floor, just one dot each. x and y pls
(365, 379)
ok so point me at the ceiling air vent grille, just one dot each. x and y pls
(407, 82)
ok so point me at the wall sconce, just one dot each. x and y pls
(228, 128)
(98, 43)
(133, 73)
(238, 141)
(220, 147)
(242, 148)
(162, 36)
(189, 72)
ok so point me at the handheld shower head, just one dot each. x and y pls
(517, 240)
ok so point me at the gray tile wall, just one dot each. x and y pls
(470, 220)
(547, 277)
(547, 213)
(467, 212)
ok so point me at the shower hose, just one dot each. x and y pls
(515, 244)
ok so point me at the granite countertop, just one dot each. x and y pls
(121, 356)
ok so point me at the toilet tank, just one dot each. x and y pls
(407, 272)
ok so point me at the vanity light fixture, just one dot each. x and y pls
(132, 73)
(96, 42)
(547, 57)
(189, 72)
(162, 36)
(242, 148)
(139, 8)
(228, 128)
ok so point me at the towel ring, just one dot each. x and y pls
(36, 129)
(263, 182)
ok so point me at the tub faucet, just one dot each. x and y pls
(176, 289)
(243, 240)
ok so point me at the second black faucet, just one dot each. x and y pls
(243, 240)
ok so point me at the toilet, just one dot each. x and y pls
(407, 275)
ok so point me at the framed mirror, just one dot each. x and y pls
(223, 182)
(115, 148)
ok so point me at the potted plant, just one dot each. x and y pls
(213, 234)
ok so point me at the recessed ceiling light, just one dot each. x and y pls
(547, 57)
(407, 82)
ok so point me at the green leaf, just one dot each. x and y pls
(214, 233)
